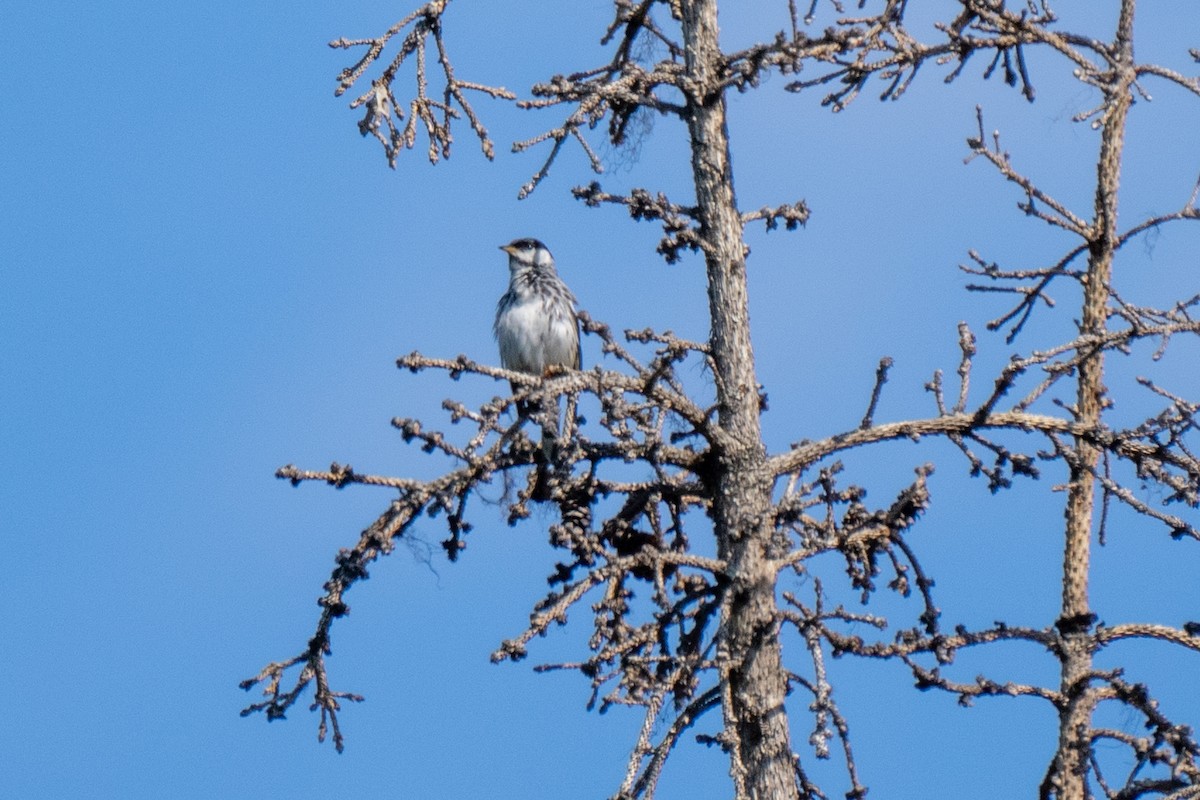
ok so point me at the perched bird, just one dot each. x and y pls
(536, 325)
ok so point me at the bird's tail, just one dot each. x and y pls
(548, 455)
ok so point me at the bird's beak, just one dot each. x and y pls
(508, 248)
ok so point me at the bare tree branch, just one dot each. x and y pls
(680, 629)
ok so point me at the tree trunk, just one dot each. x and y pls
(755, 682)
(1069, 773)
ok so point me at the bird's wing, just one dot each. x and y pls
(578, 346)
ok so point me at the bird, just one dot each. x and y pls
(536, 326)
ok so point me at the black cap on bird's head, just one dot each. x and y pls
(523, 245)
(527, 252)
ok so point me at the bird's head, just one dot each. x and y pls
(528, 254)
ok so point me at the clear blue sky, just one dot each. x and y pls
(207, 274)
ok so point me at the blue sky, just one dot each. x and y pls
(208, 274)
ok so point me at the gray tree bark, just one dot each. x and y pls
(754, 690)
(1069, 772)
